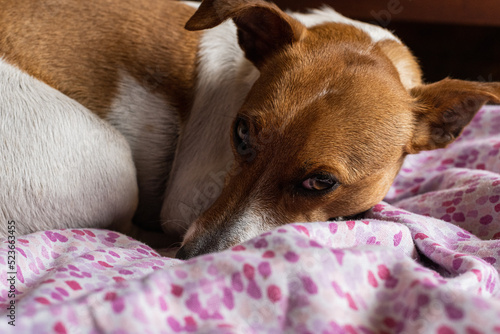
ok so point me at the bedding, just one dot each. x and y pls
(426, 260)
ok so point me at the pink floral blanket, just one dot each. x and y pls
(426, 260)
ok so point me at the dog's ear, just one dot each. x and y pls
(263, 28)
(444, 108)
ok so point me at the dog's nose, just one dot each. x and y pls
(182, 254)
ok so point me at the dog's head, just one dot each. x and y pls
(326, 127)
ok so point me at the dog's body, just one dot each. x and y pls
(55, 171)
(321, 109)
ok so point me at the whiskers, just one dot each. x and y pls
(177, 244)
(180, 230)
(180, 224)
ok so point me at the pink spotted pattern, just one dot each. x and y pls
(426, 260)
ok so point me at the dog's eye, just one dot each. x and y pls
(241, 134)
(320, 183)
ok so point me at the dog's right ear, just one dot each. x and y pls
(444, 108)
(263, 28)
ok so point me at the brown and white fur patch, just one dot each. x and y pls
(249, 119)
(55, 173)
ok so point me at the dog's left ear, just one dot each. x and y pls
(444, 108)
(263, 28)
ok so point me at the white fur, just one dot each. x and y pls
(151, 127)
(327, 14)
(253, 222)
(225, 77)
(193, 4)
(376, 33)
(60, 165)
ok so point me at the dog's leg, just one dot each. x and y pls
(60, 165)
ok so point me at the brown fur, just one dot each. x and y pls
(330, 101)
(444, 108)
(404, 61)
(83, 48)
(79, 47)
(302, 132)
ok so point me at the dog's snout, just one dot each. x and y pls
(210, 241)
(182, 254)
(189, 251)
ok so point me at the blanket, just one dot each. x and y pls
(426, 260)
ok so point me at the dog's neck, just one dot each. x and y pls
(224, 78)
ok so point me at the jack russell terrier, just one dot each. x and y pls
(240, 120)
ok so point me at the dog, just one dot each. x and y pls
(240, 117)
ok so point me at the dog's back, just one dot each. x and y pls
(60, 165)
(124, 61)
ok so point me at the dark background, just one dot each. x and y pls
(456, 38)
